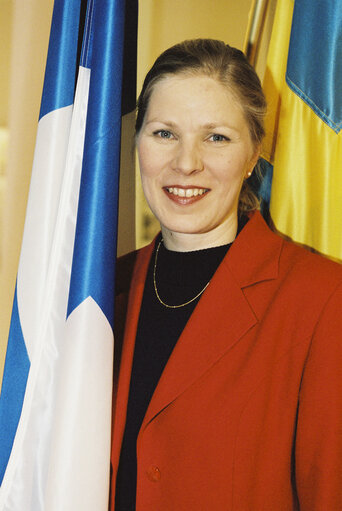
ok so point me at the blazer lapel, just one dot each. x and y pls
(219, 320)
(223, 314)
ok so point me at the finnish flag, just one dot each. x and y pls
(55, 405)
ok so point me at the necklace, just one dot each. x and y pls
(156, 290)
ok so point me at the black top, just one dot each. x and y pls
(180, 276)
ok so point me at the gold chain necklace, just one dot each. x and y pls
(156, 290)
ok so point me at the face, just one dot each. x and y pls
(194, 151)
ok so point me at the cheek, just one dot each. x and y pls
(143, 159)
(149, 173)
(230, 171)
(149, 162)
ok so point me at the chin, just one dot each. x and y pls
(184, 228)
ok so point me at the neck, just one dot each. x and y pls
(187, 242)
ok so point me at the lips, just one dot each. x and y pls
(185, 195)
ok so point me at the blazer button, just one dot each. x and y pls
(153, 473)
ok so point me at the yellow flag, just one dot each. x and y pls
(304, 140)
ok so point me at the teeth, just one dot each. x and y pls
(189, 192)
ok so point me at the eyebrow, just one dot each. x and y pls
(166, 123)
(209, 125)
(213, 125)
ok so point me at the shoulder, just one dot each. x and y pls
(295, 261)
(278, 274)
(310, 269)
(124, 270)
(313, 281)
(129, 263)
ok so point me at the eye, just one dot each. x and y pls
(216, 137)
(163, 134)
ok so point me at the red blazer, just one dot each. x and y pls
(247, 415)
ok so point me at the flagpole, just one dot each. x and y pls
(255, 27)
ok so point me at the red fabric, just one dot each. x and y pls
(247, 415)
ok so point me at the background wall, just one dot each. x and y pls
(6, 13)
(24, 33)
(5, 51)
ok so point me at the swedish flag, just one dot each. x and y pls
(304, 141)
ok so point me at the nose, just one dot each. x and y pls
(187, 159)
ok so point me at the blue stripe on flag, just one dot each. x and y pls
(17, 366)
(95, 243)
(314, 68)
(59, 85)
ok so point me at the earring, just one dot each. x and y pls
(249, 174)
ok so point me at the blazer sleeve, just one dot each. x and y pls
(318, 450)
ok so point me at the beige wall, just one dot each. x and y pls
(163, 23)
(5, 51)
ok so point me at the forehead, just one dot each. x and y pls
(172, 84)
(194, 95)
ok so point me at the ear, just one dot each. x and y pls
(253, 161)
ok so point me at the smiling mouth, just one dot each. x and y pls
(186, 192)
(185, 196)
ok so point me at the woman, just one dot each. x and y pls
(229, 394)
